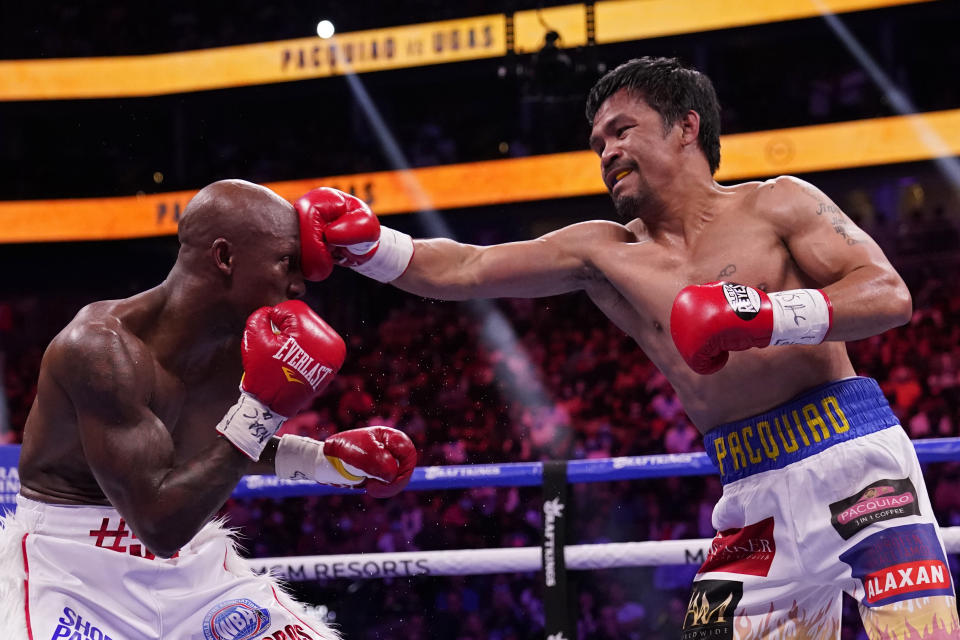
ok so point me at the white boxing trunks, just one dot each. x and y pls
(822, 495)
(79, 573)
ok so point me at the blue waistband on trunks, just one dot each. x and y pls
(805, 426)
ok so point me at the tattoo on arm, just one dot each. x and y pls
(837, 219)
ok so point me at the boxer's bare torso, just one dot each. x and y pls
(131, 391)
(775, 235)
(184, 397)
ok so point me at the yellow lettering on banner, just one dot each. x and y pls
(736, 451)
(792, 446)
(747, 434)
(814, 421)
(398, 47)
(720, 447)
(766, 439)
(839, 421)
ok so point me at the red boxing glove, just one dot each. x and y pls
(385, 456)
(338, 227)
(290, 355)
(380, 459)
(710, 320)
(334, 227)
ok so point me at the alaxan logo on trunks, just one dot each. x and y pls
(552, 511)
(238, 619)
(294, 355)
(899, 563)
(882, 500)
(906, 578)
(72, 626)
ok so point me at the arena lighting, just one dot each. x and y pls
(325, 29)
(899, 101)
(496, 332)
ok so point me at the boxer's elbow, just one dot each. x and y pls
(897, 303)
(162, 539)
(901, 305)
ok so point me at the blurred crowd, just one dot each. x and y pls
(566, 385)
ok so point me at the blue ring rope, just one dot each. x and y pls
(526, 474)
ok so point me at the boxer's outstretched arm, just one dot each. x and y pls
(867, 294)
(558, 262)
(109, 378)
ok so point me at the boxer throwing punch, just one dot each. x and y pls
(139, 434)
(743, 296)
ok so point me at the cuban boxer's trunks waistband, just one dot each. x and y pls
(810, 423)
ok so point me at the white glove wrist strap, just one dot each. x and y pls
(300, 458)
(800, 316)
(391, 258)
(249, 424)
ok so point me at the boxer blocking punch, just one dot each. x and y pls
(743, 296)
(137, 437)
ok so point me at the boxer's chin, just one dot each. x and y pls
(628, 207)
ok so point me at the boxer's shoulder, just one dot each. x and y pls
(97, 354)
(595, 234)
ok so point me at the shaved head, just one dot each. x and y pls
(236, 210)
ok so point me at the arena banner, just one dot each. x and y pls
(9, 477)
(398, 47)
(625, 20)
(759, 154)
(264, 63)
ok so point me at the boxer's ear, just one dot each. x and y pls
(222, 253)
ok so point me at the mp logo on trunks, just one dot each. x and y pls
(710, 611)
(235, 620)
(72, 626)
(900, 563)
(882, 500)
(745, 301)
(749, 550)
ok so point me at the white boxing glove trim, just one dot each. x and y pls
(392, 257)
(800, 316)
(249, 424)
(300, 458)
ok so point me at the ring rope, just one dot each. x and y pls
(528, 474)
(466, 562)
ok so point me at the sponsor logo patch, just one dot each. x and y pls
(749, 550)
(289, 632)
(235, 620)
(744, 300)
(882, 500)
(72, 626)
(900, 563)
(710, 611)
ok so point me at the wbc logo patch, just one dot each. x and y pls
(235, 620)
(900, 563)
